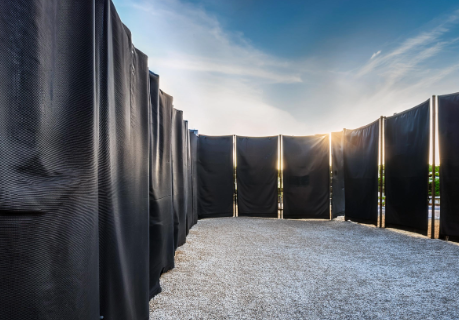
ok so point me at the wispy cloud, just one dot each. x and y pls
(374, 55)
(227, 85)
(419, 47)
(198, 42)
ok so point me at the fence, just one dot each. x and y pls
(101, 178)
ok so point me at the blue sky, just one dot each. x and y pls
(296, 67)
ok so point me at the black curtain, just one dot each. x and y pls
(257, 176)
(48, 161)
(161, 219)
(178, 178)
(338, 174)
(189, 182)
(361, 173)
(194, 139)
(448, 137)
(407, 168)
(123, 170)
(215, 176)
(306, 177)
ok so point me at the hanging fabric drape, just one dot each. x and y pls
(361, 173)
(49, 247)
(194, 140)
(407, 168)
(189, 182)
(337, 174)
(448, 137)
(257, 178)
(124, 100)
(306, 177)
(215, 176)
(179, 184)
(161, 218)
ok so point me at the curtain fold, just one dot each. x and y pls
(306, 177)
(49, 248)
(123, 170)
(406, 150)
(257, 176)
(361, 173)
(215, 176)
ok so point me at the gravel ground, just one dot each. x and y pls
(249, 268)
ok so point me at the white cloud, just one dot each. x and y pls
(213, 75)
(226, 85)
(375, 54)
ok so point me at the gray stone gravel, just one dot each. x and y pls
(249, 268)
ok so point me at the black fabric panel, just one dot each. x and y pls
(338, 174)
(257, 176)
(215, 176)
(306, 177)
(407, 168)
(123, 170)
(178, 178)
(48, 161)
(161, 219)
(361, 173)
(189, 186)
(448, 137)
(194, 140)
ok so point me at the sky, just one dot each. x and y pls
(257, 68)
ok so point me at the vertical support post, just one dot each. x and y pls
(278, 178)
(235, 177)
(381, 125)
(281, 176)
(330, 176)
(343, 146)
(434, 129)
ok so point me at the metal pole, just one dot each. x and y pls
(432, 226)
(282, 175)
(330, 177)
(381, 124)
(278, 178)
(383, 169)
(235, 176)
(343, 146)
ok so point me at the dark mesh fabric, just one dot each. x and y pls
(338, 174)
(257, 176)
(178, 178)
(194, 140)
(361, 173)
(189, 191)
(215, 176)
(448, 138)
(306, 177)
(407, 168)
(48, 161)
(123, 170)
(161, 219)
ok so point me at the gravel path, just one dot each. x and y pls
(249, 268)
